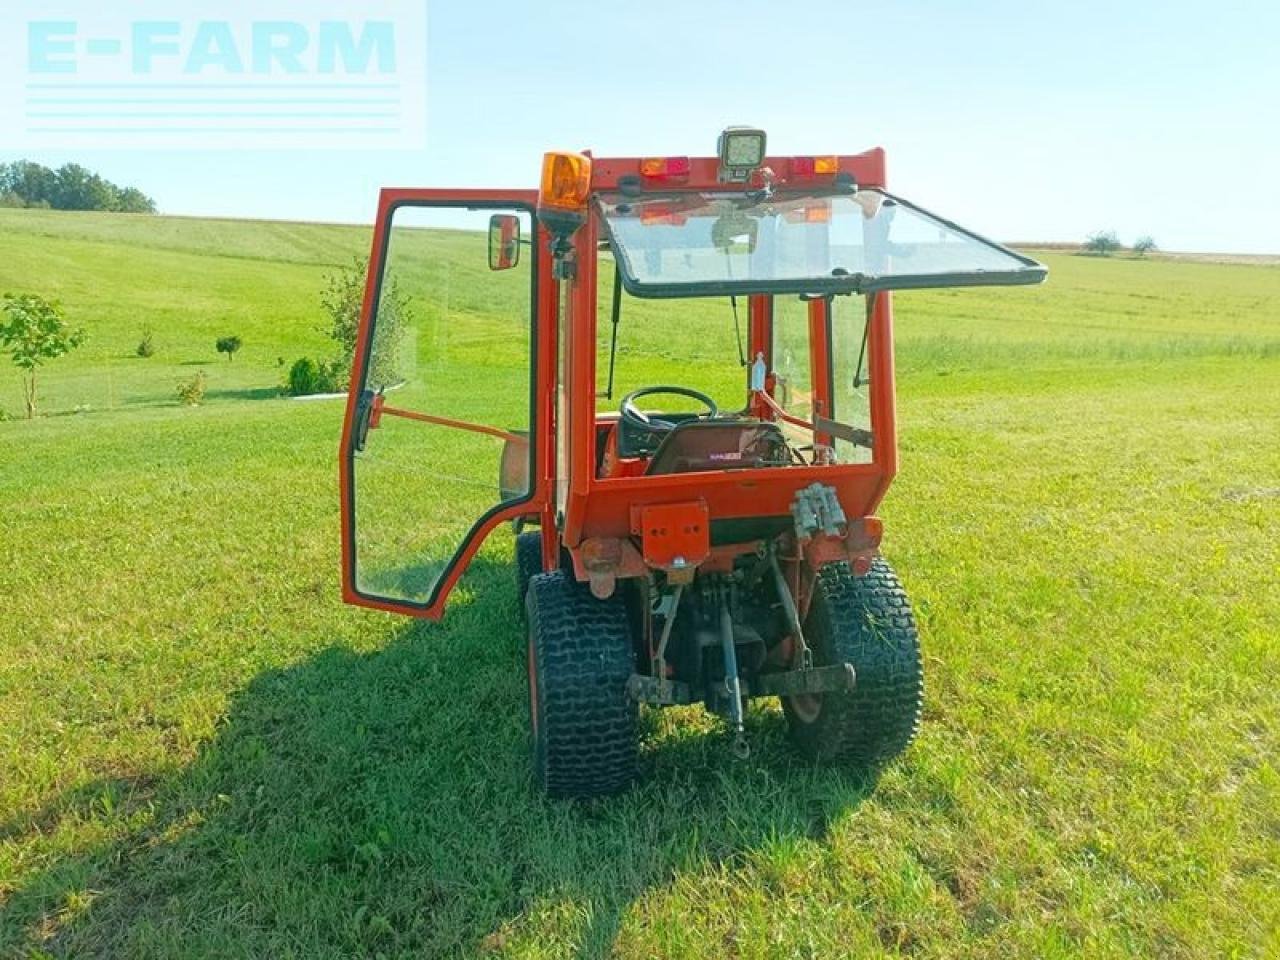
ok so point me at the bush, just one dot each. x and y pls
(307, 378)
(145, 348)
(229, 346)
(343, 299)
(1103, 243)
(191, 392)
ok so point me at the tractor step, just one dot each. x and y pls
(837, 678)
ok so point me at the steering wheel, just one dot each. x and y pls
(637, 418)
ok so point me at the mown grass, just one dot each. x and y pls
(203, 753)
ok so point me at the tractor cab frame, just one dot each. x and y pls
(667, 555)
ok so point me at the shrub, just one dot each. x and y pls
(302, 378)
(34, 331)
(1103, 243)
(342, 300)
(145, 348)
(229, 346)
(307, 377)
(191, 392)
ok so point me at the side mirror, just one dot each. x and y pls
(504, 241)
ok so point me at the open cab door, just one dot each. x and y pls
(440, 443)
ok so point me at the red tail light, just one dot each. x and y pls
(665, 168)
(814, 166)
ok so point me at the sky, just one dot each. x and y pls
(1023, 121)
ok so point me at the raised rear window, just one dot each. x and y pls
(717, 243)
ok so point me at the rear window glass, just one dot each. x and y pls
(699, 243)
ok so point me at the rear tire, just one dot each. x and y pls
(528, 564)
(580, 659)
(865, 621)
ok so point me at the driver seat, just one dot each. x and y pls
(704, 445)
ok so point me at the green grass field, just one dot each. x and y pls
(203, 753)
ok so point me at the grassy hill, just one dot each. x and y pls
(190, 281)
(203, 753)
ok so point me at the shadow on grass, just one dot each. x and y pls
(380, 803)
(243, 393)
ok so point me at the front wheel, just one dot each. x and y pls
(585, 735)
(865, 621)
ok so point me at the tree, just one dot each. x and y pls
(229, 346)
(33, 184)
(133, 200)
(35, 331)
(1103, 243)
(343, 300)
(75, 189)
(72, 187)
(1144, 245)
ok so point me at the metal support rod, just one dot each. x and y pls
(866, 332)
(732, 682)
(617, 316)
(660, 658)
(803, 656)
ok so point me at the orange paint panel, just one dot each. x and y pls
(673, 535)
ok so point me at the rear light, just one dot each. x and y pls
(665, 168)
(813, 213)
(814, 166)
(662, 213)
(742, 152)
(566, 182)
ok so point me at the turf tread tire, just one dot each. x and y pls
(585, 732)
(866, 621)
(528, 564)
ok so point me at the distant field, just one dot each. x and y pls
(204, 754)
(1183, 256)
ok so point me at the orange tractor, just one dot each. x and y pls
(712, 546)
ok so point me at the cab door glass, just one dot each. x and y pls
(447, 390)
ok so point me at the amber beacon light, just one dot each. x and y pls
(566, 185)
